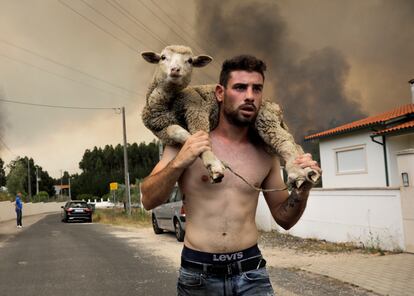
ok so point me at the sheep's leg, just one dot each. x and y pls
(210, 161)
(274, 132)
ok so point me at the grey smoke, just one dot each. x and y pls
(2, 120)
(310, 88)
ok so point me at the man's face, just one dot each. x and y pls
(241, 98)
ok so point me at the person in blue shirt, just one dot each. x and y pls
(19, 208)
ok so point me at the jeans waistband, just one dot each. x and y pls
(219, 258)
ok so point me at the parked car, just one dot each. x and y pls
(170, 216)
(76, 210)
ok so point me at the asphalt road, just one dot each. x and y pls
(54, 258)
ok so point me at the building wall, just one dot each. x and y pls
(394, 145)
(405, 161)
(374, 176)
(369, 217)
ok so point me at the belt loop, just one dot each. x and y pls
(205, 268)
(258, 265)
(239, 266)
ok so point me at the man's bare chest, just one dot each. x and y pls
(251, 163)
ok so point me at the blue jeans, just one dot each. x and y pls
(251, 283)
(19, 217)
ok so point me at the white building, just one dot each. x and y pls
(363, 153)
(368, 184)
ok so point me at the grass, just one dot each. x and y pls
(283, 240)
(138, 217)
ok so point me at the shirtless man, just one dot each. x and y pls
(220, 254)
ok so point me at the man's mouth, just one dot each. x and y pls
(248, 108)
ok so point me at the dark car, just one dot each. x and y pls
(76, 210)
(170, 216)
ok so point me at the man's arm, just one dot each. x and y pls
(287, 209)
(157, 187)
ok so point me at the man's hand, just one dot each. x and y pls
(192, 148)
(304, 161)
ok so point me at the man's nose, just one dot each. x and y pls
(249, 94)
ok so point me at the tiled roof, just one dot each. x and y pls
(366, 122)
(402, 126)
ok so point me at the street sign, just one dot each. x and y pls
(113, 186)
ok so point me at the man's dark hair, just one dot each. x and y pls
(241, 63)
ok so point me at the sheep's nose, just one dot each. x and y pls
(175, 70)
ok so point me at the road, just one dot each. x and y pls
(54, 258)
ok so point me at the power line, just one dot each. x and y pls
(183, 20)
(7, 147)
(135, 20)
(112, 22)
(58, 106)
(59, 75)
(177, 24)
(66, 66)
(98, 26)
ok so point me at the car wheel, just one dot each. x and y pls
(157, 230)
(179, 232)
(90, 220)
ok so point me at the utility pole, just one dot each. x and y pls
(29, 185)
(127, 189)
(70, 195)
(37, 180)
(61, 184)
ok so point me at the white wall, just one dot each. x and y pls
(375, 167)
(7, 209)
(394, 145)
(371, 217)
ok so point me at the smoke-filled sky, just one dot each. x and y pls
(329, 62)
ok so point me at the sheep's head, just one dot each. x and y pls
(176, 64)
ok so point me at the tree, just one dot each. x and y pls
(16, 179)
(2, 173)
(103, 166)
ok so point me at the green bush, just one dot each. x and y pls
(5, 197)
(42, 196)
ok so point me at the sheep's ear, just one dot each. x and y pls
(151, 57)
(201, 61)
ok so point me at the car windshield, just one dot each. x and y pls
(78, 205)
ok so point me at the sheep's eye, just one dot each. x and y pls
(163, 57)
(190, 60)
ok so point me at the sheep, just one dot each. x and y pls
(173, 107)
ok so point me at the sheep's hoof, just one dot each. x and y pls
(309, 175)
(216, 178)
(216, 173)
(299, 182)
(313, 177)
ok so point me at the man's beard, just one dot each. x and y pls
(235, 117)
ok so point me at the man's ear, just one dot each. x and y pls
(219, 91)
(151, 57)
(201, 61)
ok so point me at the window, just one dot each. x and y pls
(351, 160)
